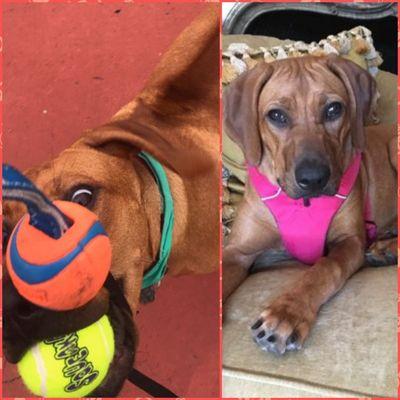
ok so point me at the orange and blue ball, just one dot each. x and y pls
(60, 274)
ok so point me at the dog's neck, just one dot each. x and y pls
(151, 204)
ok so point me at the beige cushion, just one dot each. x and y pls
(253, 41)
(352, 349)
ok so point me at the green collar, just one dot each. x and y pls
(157, 271)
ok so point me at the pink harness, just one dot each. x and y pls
(304, 228)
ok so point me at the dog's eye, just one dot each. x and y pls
(82, 195)
(278, 117)
(333, 111)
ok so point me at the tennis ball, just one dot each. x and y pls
(60, 274)
(72, 365)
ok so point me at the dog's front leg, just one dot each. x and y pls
(235, 264)
(252, 233)
(286, 321)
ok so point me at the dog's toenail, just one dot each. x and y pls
(292, 338)
(271, 339)
(261, 335)
(257, 324)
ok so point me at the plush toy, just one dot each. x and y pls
(58, 255)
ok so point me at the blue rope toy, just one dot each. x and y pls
(44, 215)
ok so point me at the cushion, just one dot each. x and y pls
(242, 52)
(351, 351)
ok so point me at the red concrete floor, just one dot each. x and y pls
(69, 67)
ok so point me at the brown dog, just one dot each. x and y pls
(175, 119)
(308, 111)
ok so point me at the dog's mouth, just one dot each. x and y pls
(6, 236)
(125, 338)
(295, 192)
(328, 191)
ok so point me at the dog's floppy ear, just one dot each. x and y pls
(177, 112)
(240, 102)
(361, 88)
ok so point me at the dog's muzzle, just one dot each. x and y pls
(312, 177)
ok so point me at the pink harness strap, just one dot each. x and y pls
(304, 228)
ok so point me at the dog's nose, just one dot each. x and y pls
(312, 175)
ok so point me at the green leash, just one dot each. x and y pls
(157, 271)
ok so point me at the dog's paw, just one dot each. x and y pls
(283, 326)
(382, 253)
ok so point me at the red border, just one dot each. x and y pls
(220, 204)
(398, 156)
(220, 162)
(2, 2)
(1, 191)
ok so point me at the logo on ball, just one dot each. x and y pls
(77, 368)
